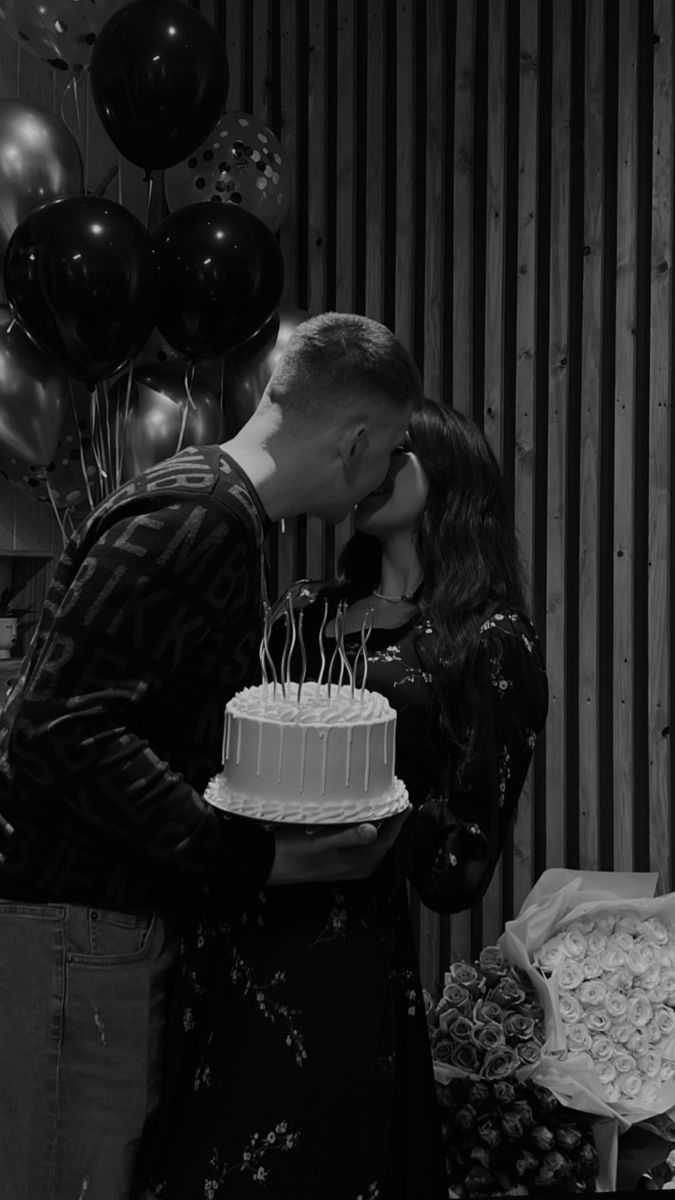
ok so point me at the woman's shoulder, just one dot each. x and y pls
(513, 629)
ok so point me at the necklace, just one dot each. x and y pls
(392, 599)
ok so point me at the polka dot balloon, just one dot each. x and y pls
(241, 162)
(60, 32)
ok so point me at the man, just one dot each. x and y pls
(152, 622)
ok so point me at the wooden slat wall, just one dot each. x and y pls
(494, 180)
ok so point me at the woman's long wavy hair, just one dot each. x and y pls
(468, 552)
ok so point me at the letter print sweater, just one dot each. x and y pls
(152, 622)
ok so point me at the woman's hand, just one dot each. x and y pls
(330, 856)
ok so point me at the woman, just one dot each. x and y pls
(300, 1064)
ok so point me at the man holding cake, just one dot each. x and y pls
(152, 623)
(299, 1063)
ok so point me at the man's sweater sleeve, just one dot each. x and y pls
(135, 611)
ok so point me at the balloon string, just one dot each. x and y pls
(96, 443)
(77, 134)
(147, 213)
(87, 108)
(119, 178)
(107, 438)
(122, 425)
(189, 403)
(52, 501)
(83, 464)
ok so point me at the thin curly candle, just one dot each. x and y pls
(303, 656)
(338, 623)
(284, 654)
(344, 661)
(321, 649)
(291, 648)
(363, 648)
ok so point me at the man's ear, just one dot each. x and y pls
(352, 448)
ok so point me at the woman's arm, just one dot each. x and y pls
(458, 835)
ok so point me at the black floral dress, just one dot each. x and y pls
(298, 1065)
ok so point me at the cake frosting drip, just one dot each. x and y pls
(316, 707)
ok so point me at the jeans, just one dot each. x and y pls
(83, 998)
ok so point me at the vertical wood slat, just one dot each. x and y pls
(624, 417)
(525, 377)
(558, 349)
(462, 372)
(589, 438)
(660, 454)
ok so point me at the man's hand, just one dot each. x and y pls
(6, 831)
(330, 856)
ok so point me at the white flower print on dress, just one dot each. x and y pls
(278, 1140)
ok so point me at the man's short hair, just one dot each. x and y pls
(335, 358)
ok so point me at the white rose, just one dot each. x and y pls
(650, 980)
(658, 992)
(668, 980)
(624, 940)
(667, 1047)
(654, 931)
(597, 942)
(653, 1032)
(616, 1004)
(619, 980)
(650, 953)
(640, 1011)
(638, 1043)
(582, 925)
(569, 975)
(612, 1093)
(552, 954)
(624, 1062)
(665, 1019)
(605, 1071)
(650, 1064)
(575, 943)
(569, 1007)
(622, 1032)
(604, 921)
(650, 1093)
(627, 922)
(591, 967)
(631, 1085)
(592, 993)
(601, 1049)
(635, 961)
(598, 1021)
(612, 957)
(667, 1071)
(578, 1037)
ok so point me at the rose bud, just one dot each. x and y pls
(489, 1132)
(481, 1155)
(567, 1137)
(545, 1099)
(503, 1091)
(541, 1137)
(492, 963)
(525, 1162)
(587, 1156)
(479, 1182)
(465, 1118)
(512, 1125)
(557, 1162)
(465, 1058)
(507, 993)
(479, 1094)
(524, 1111)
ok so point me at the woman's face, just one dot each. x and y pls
(398, 503)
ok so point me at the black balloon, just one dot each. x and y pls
(221, 275)
(80, 276)
(159, 79)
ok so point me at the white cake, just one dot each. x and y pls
(319, 759)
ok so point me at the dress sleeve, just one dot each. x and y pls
(458, 834)
(133, 613)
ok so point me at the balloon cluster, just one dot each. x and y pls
(118, 345)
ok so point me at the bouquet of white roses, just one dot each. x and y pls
(600, 952)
